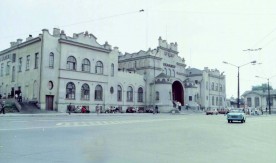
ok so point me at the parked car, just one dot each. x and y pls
(223, 111)
(236, 115)
(131, 110)
(81, 109)
(211, 112)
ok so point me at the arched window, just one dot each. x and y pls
(71, 63)
(98, 93)
(51, 60)
(129, 93)
(99, 67)
(112, 69)
(85, 92)
(70, 90)
(140, 94)
(119, 93)
(157, 96)
(85, 66)
(169, 72)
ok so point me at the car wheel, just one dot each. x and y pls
(229, 121)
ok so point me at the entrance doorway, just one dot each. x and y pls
(49, 102)
(178, 92)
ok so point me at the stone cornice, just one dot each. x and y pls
(21, 45)
(166, 49)
(84, 45)
(138, 58)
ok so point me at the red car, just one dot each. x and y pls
(211, 112)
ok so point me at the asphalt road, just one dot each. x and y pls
(136, 138)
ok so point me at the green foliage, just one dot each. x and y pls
(262, 87)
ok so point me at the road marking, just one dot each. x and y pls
(90, 123)
(99, 123)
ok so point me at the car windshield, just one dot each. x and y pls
(236, 111)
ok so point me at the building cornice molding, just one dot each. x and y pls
(21, 45)
(64, 41)
(167, 49)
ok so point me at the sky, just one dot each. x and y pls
(207, 32)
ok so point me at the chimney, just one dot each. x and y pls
(56, 32)
(12, 43)
(29, 38)
(19, 41)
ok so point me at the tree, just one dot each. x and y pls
(262, 87)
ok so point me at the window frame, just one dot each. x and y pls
(99, 67)
(129, 94)
(71, 63)
(70, 92)
(85, 92)
(98, 93)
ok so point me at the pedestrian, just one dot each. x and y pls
(16, 96)
(69, 108)
(156, 109)
(2, 107)
(98, 109)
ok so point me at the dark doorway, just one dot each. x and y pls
(49, 102)
(12, 92)
(178, 92)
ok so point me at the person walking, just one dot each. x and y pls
(69, 107)
(156, 108)
(2, 107)
(98, 109)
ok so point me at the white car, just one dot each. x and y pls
(236, 115)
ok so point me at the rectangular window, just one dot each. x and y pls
(213, 86)
(8, 69)
(257, 102)
(190, 98)
(249, 102)
(36, 60)
(20, 65)
(2, 69)
(28, 62)
(13, 57)
(157, 96)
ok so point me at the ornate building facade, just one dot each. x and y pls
(55, 70)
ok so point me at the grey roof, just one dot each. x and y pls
(162, 75)
(260, 92)
(193, 71)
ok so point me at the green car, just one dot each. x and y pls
(236, 115)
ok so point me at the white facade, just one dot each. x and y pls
(56, 70)
(205, 88)
(259, 99)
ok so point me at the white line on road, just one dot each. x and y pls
(91, 123)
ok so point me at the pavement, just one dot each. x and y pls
(55, 113)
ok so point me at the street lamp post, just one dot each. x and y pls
(268, 92)
(253, 63)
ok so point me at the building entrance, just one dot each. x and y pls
(49, 102)
(178, 92)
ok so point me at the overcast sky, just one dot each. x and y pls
(208, 32)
